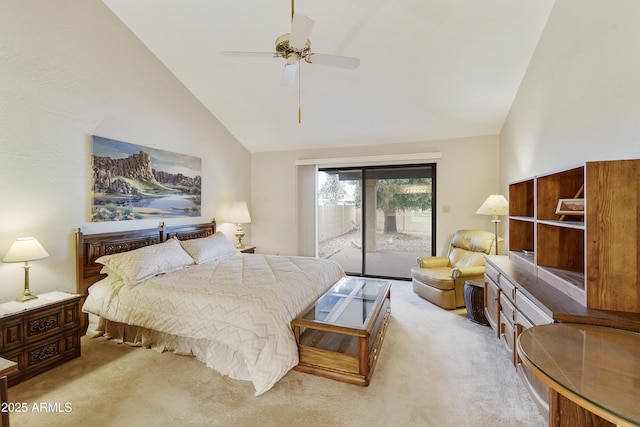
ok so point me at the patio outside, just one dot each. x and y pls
(394, 253)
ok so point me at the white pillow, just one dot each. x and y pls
(110, 272)
(215, 247)
(143, 263)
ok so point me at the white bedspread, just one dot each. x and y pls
(243, 305)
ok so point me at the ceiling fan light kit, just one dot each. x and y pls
(295, 46)
(284, 49)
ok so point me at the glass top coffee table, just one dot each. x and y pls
(340, 336)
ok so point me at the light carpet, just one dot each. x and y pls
(436, 368)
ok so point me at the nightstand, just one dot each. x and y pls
(248, 250)
(41, 333)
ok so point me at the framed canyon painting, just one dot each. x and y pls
(131, 182)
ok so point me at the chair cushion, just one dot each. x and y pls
(474, 240)
(462, 258)
(438, 277)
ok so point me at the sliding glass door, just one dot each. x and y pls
(340, 217)
(375, 221)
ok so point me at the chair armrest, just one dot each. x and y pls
(433, 261)
(470, 271)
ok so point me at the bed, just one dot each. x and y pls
(186, 289)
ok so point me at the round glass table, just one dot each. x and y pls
(595, 367)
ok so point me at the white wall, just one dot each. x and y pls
(467, 174)
(580, 98)
(70, 69)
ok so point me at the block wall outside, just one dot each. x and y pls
(336, 220)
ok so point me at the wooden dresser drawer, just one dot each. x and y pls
(492, 303)
(507, 336)
(12, 335)
(507, 308)
(522, 322)
(42, 325)
(532, 311)
(44, 334)
(507, 287)
(491, 272)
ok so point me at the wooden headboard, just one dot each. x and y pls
(92, 246)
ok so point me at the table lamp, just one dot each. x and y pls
(239, 215)
(25, 249)
(496, 205)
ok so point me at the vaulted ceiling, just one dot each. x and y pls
(429, 69)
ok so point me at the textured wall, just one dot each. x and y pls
(70, 69)
(580, 97)
(467, 174)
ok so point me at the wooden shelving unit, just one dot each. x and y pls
(592, 258)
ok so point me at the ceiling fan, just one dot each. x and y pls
(295, 46)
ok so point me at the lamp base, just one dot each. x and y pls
(496, 221)
(239, 236)
(26, 297)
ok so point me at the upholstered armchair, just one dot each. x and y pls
(440, 279)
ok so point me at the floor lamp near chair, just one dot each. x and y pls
(496, 205)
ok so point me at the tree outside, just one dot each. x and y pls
(401, 195)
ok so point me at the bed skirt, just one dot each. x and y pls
(215, 355)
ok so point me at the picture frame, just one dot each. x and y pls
(570, 207)
(134, 182)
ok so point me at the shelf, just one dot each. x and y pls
(521, 200)
(526, 261)
(570, 283)
(578, 225)
(560, 247)
(526, 257)
(592, 258)
(330, 341)
(523, 218)
(575, 278)
(553, 187)
(521, 235)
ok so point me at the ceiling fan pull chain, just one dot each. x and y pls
(299, 91)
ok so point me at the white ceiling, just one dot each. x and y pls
(429, 69)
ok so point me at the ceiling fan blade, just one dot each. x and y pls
(300, 29)
(333, 60)
(289, 72)
(262, 54)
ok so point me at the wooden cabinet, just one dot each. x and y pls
(40, 334)
(580, 268)
(507, 328)
(491, 299)
(517, 299)
(528, 315)
(591, 257)
(510, 312)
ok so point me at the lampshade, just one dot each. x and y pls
(496, 204)
(239, 213)
(25, 249)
